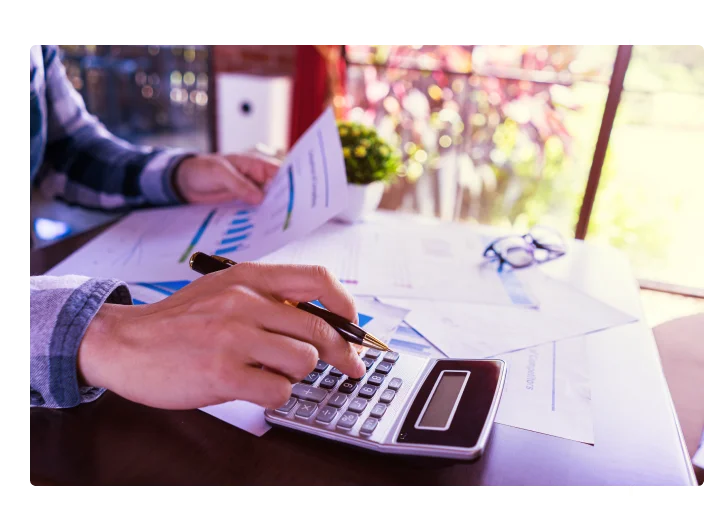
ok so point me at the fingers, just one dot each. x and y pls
(242, 187)
(289, 357)
(257, 169)
(262, 387)
(299, 283)
(309, 329)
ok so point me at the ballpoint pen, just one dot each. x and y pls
(205, 264)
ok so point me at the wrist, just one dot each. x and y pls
(100, 343)
(176, 184)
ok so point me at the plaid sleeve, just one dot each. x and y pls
(85, 164)
(61, 308)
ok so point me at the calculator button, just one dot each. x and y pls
(387, 396)
(395, 383)
(329, 382)
(321, 366)
(308, 393)
(310, 378)
(347, 387)
(371, 353)
(391, 357)
(368, 426)
(306, 409)
(335, 372)
(378, 410)
(286, 407)
(376, 379)
(368, 362)
(347, 420)
(367, 391)
(358, 405)
(384, 367)
(326, 415)
(337, 400)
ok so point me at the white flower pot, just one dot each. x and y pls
(361, 200)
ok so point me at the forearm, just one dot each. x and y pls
(61, 309)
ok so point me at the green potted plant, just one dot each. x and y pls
(370, 163)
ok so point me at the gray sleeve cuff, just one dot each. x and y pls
(54, 371)
(156, 179)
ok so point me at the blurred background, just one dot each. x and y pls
(604, 143)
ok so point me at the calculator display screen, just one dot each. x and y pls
(442, 403)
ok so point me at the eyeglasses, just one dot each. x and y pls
(540, 245)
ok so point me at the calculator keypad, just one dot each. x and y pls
(328, 399)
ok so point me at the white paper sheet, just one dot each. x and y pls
(375, 317)
(698, 458)
(419, 261)
(154, 245)
(547, 390)
(464, 330)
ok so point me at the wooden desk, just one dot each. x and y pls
(638, 440)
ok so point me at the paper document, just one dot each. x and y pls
(417, 261)
(698, 458)
(154, 245)
(375, 317)
(464, 330)
(547, 390)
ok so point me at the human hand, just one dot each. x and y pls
(226, 336)
(213, 178)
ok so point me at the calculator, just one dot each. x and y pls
(404, 404)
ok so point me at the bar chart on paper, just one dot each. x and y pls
(308, 189)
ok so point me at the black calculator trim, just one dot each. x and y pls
(474, 409)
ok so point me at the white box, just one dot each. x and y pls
(252, 109)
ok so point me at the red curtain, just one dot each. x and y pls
(318, 78)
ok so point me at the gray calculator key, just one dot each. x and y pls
(329, 382)
(347, 420)
(367, 391)
(376, 379)
(358, 405)
(286, 407)
(387, 396)
(348, 387)
(326, 415)
(321, 366)
(378, 410)
(336, 371)
(395, 383)
(368, 426)
(371, 353)
(391, 357)
(306, 409)
(368, 362)
(384, 367)
(337, 400)
(305, 392)
(310, 378)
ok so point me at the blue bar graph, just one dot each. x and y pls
(238, 229)
(231, 240)
(226, 250)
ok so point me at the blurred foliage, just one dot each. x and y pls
(368, 158)
(501, 142)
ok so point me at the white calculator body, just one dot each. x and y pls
(406, 403)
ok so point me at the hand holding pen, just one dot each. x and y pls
(226, 336)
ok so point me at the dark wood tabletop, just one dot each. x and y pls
(113, 441)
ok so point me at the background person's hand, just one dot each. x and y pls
(226, 336)
(213, 178)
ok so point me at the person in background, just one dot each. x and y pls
(226, 336)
